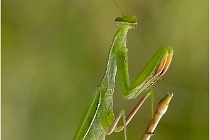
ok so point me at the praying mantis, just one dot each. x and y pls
(99, 119)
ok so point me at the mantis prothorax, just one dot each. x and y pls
(99, 119)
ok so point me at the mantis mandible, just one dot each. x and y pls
(99, 119)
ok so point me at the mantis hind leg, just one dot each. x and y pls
(114, 125)
(127, 119)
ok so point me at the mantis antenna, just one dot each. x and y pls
(131, 4)
(118, 7)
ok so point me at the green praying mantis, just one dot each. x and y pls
(99, 119)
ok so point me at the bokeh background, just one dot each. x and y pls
(54, 54)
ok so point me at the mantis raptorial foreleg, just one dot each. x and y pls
(99, 119)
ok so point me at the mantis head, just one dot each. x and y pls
(130, 21)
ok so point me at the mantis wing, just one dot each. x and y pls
(88, 116)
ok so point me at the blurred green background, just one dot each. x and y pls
(54, 54)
